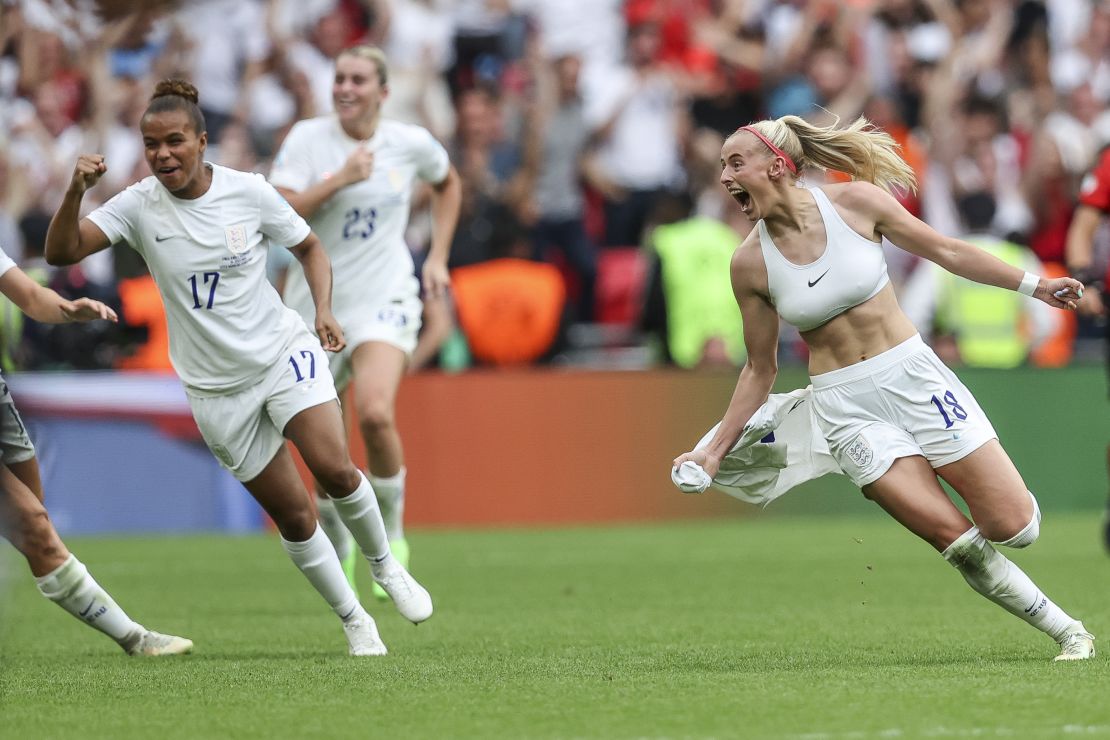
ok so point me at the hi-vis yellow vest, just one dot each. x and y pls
(695, 256)
(987, 322)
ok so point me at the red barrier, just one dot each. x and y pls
(551, 447)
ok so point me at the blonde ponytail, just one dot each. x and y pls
(860, 150)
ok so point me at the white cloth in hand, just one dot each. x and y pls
(780, 447)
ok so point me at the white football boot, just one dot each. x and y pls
(362, 635)
(1077, 645)
(410, 598)
(151, 644)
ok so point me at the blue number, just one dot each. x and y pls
(393, 316)
(311, 362)
(215, 278)
(359, 223)
(957, 410)
(311, 365)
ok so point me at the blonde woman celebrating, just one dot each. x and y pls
(896, 419)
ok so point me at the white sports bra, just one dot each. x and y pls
(851, 270)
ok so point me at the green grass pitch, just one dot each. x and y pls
(761, 627)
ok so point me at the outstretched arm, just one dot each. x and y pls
(894, 222)
(761, 336)
(45, 305)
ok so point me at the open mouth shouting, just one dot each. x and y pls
(742, 196)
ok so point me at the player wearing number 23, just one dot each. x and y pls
(253, 372)
(351, 174)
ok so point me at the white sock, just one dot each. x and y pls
(71, 587)
(317, 560)
(990, 573)
(334, 527)
(391, 499)
(359, 511)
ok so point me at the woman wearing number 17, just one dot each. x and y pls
(253, 372)
(896, 419)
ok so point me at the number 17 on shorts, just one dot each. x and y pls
(304, 365)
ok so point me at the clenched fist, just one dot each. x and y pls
(89, 169)
(358, 166)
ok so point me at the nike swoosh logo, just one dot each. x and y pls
(811, 283)
(164, 238)
(86, 609)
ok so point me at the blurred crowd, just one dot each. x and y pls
(588, 135)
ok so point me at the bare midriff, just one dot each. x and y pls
(858, 334)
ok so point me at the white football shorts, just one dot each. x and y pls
(15, 445)
(902, 402)
(244, 429)
(395, 321)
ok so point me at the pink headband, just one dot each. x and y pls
(778, 152)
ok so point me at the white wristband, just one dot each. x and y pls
(1029, 283)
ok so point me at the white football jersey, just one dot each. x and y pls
(208, 256)
(6, 262)
(363, 225)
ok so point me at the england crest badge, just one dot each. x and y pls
(236, 237)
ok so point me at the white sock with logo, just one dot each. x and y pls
(359, 511)
(334, 528)
(990, 573)
(390, 492)
(317, 560)
(71, 587)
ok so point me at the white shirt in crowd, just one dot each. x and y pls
(208, 255)
(642, 151)
(224, 35)
(362, 225)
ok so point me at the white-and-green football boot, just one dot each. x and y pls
(400, 550)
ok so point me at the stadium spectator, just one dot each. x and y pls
(352, 175)
(488, 34)
(419, 45)
(495, 173)
(226, 45)
(814, 260)
(593, 31)
(558, 198)
(24, 521)
(637, 114)
(252, 370)
(690, 307)
(1091, 267)
(314, 56)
